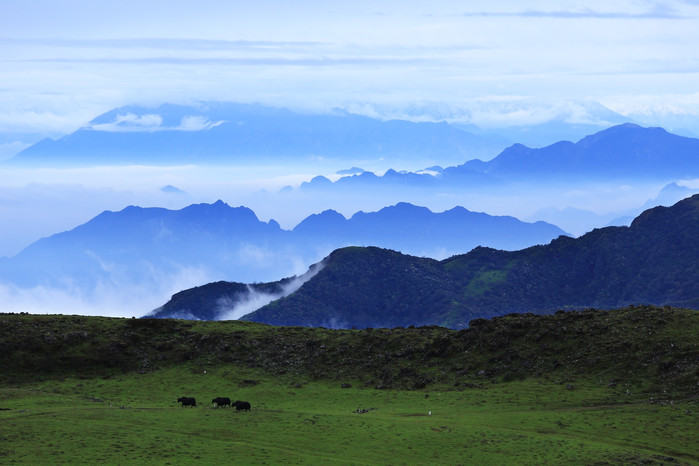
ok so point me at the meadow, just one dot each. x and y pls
(77, 390)
(134, 419)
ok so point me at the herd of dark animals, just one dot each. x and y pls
(218, 402)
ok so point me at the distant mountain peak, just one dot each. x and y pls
(406, 208)
(622, 151)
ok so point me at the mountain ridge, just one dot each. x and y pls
(215, 133)
(154, 250)
(623, 152)
(653, 261)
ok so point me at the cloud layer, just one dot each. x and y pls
(65, 61)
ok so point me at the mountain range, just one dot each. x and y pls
(580, 221)
(227, 133)
(535, 179)
(145, 247)
(232, 133)
(625, 152)
(652, 261)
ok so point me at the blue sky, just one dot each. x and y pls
(65, 62)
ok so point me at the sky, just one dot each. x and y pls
(62, 63)
(65, 62)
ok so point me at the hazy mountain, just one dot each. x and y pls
(669, 195)
(225, 133)
(579, 221)
(654, 261)
(622, 153)
(419, 231)
(138, 246)
(219, 132)
(682, 123)
(625, 151)
(155, 248)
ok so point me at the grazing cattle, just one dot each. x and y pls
(241, 405)
(220, 401)
(187, 401)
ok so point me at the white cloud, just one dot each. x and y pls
(15, 118)
(10, 149)
(130, 122)
(196, 123)
(235, 309)
(493, 112)
(110, 299)
(100, 57)
(656, 12)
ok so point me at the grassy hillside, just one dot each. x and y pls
(647, 348)
(577, 387)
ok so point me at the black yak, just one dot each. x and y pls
(220, 401)
(241, 405)
(187, 401)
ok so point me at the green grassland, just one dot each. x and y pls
(96, 390)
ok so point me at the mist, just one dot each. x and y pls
(254, 300)
(107, 299)
(41, 202)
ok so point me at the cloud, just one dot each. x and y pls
(657, 12)
(196, 123)
(10, 149)
(494, 112)
(243, 61)
(130, 122)
(53, 123)
(109, 298)
(254, 300)
(161, 43)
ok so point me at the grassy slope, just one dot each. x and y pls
(559, 408)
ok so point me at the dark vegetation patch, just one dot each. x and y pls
(641, 349)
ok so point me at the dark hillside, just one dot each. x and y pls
(202, 302)
(654, 261)
(642, 349)
(366, 285)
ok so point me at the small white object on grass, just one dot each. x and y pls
(430, 413)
